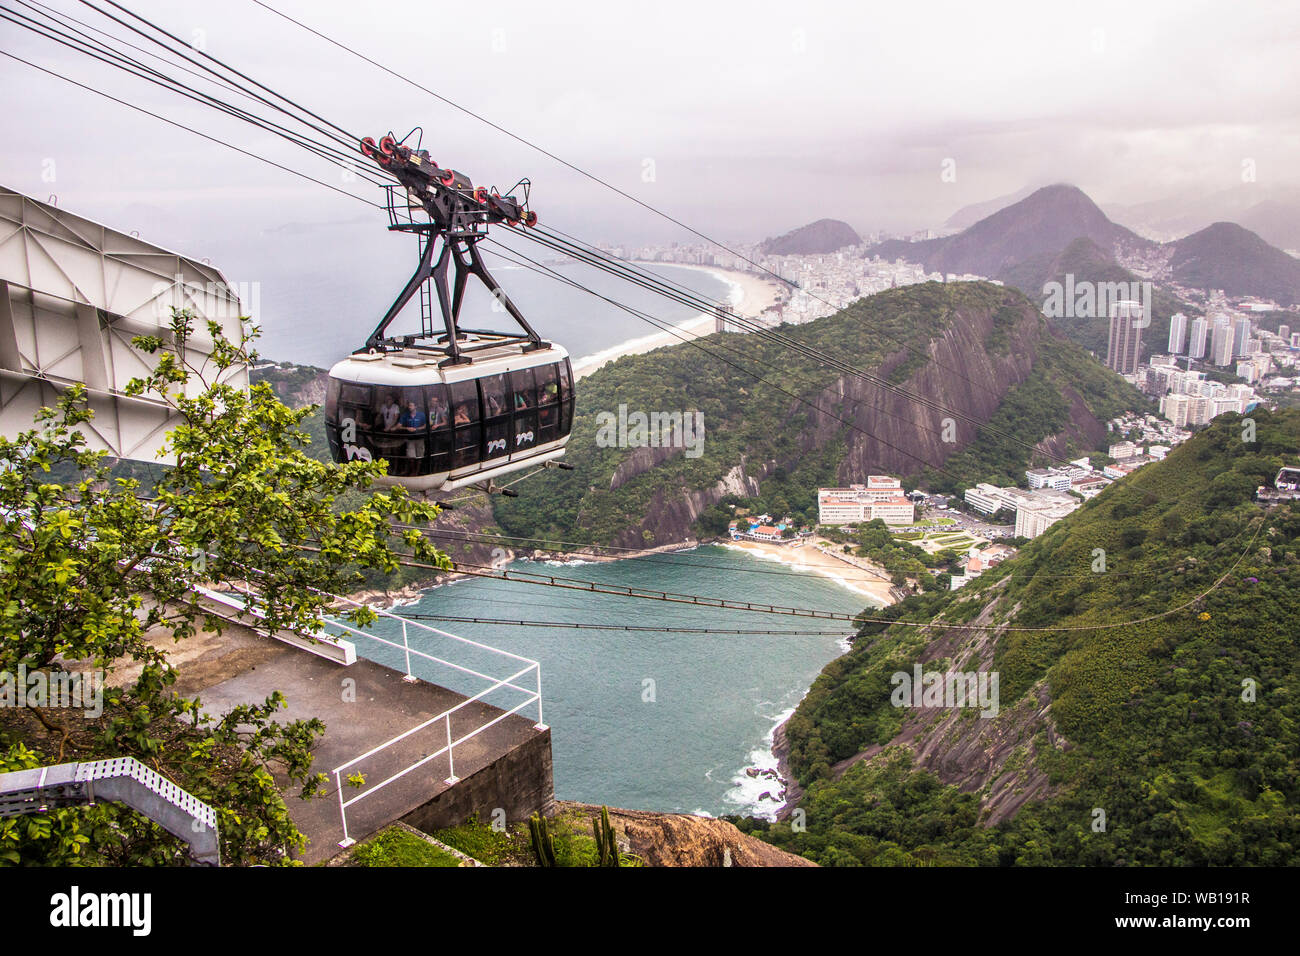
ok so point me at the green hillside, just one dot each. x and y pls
(763, 426)
(1183, 730)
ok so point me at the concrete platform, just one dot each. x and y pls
(363, 705)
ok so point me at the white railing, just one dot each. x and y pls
(494, 684)
(449, 747)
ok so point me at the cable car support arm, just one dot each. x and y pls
(458, 216)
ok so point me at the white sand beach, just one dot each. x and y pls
(750, 295)
(808, 558)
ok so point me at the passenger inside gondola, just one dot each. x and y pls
(437, 412)
(390, 413)
(414, 420)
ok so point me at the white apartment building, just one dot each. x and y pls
(895, 511)
(881, 497)
(1057, 479)
(988, 499)
(1221, 344)
(1196, 342)
(1242, 336)
(839, 510)
(1177, 333)
(1036, 516)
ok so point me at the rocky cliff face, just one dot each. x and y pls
(672, 512)
(995, 757)
(962, 374)
(679, 839)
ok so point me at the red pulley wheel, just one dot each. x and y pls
(368, 147)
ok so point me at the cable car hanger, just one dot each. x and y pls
(458, 215)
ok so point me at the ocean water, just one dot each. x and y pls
(320, 292)
(646, 719)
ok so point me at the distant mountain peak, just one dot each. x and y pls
(1228, 256)
(817, 238)
(1035, 229)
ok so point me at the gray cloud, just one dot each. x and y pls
(758, 117)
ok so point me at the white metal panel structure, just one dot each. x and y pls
(73, 293)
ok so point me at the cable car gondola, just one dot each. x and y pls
(448, 407)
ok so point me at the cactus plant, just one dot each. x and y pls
(543, 843)
(606, 844)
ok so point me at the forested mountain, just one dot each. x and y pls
(1085, 260)
(1029, 233)
(1148, 704)
(1024, 245)
(816, 238)
(974, 354)
(1226, 256)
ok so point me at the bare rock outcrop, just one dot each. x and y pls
(680, 839)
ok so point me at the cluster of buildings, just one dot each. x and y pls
(766, 528)
(1148, 430)
(1226, 338)
(1036, 509)
(1056, 491)
(820, 285)
(881, 497)
(1188, 398)
(977, 561)
(1228, 342)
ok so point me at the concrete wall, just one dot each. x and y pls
(520, 782)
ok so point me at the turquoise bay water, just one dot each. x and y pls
(682, 742)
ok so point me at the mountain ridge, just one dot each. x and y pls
(772, 443)
(821, 237)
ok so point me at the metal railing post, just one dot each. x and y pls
(347, 841)
(451, 754)
(540, 725)
(410, 678)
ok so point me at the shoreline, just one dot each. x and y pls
(808, 558)
(764, 787)
(748, 294)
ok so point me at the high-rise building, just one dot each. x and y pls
(1125, 343)
(1242, 336)
(1177, 332)
(1221, 344)
(1284, 333)
(1196, 345)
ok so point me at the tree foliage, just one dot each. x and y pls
(97, 573)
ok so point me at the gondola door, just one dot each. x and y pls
(523, 386)
(467, 427)
(496, 417)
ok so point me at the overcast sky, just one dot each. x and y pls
(753, 117)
